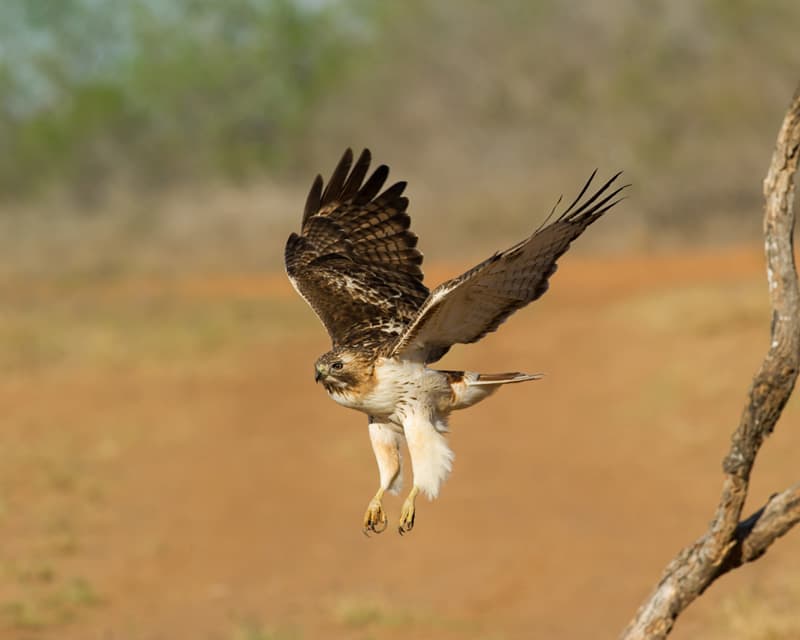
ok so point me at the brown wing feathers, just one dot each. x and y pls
(468, 307)
(356, 261)
(341, 188)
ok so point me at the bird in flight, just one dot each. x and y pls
(356, 263)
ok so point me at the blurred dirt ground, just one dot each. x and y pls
(169, 470)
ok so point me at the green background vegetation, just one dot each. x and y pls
(491, 109)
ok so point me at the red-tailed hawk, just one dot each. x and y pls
(356, 263)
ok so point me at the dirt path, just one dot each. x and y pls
(219, 495)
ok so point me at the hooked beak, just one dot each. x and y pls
(317, 375)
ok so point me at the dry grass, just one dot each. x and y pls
(118, 321)
(759, 611)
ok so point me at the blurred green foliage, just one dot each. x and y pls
(495, 99)
(163, 90)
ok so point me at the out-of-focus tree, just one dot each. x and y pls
(160, 90)
(505, 97)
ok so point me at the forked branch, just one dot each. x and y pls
(731, 541)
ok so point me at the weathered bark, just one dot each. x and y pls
(731, 541)
(754, 535)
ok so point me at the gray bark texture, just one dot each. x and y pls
(731, 541)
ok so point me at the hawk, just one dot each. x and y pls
(355, 262)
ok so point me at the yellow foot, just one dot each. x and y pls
(375, 519)
(408, 512)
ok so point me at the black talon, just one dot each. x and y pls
(406, 528)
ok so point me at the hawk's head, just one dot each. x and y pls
(343, 369)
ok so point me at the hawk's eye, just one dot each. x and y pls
(337, 366)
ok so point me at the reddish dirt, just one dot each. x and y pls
(224, 497)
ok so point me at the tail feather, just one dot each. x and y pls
(469, 387)
(504, 378)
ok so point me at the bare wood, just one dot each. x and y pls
(730, 541)
(754, 535)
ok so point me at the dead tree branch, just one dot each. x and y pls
(755, 534)
(731, 541)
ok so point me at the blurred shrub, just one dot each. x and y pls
(498, 101)
(163, 91)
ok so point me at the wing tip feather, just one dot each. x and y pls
(591, 209)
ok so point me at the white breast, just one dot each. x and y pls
(396, 383)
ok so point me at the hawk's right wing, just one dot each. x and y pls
(466, 308)
(355, 260)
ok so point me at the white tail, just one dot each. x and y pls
(503, 378)
(470, 388)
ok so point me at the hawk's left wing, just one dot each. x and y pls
(466, 308)
(355, 260)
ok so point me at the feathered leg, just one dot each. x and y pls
(431, 461)
(385, 440)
